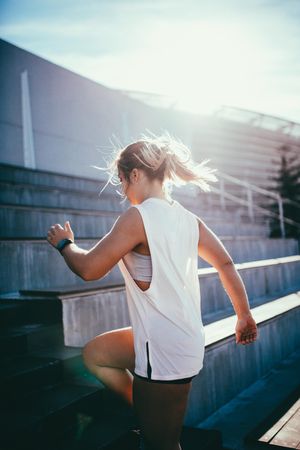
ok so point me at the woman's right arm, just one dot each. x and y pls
(211, 249)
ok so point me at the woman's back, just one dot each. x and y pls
(166, 317)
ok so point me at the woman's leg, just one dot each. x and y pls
(110, 357)
(160, 409)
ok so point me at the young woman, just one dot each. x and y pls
(156, 243)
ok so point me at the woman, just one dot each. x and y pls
(156, 243)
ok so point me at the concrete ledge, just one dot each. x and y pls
(263, 279)
(27, 221)
(87, 314)
(52, 197)
(43, 268)
(23, 221)
(229, 368)
(222, 329)
(51, 272)
(22, 175)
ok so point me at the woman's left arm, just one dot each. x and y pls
(126, 233)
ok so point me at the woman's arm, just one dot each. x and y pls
(126, 233)
(211, 249)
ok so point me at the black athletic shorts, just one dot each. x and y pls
(179, 381)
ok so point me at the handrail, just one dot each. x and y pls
(259, 119)
(256, 188)
(249, 201)
(251, 187)
(245, 202)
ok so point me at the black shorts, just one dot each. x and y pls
(179, 381)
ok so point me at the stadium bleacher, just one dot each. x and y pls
(48, 313)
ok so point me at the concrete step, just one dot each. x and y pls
(229, 368)
(19, 310)
(106, 308)
(33, 188)
(52, 271)
(281, 429)
(53, 197)
(38, 179)
(35, 177)
(24, 374)
(25, 338)
(253, 248)
(105, 433)
(34, 222)
(40, 196)
(92, 439)
(28, 222)
(248, 364)
(248, 415)
(44, 427)
(11, 313)
(12, 343)
(70, 359)
(35, 197)
(47, 393)
(51, 413)
(263, 280)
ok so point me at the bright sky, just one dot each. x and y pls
(203, 53)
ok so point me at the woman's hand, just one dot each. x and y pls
(246, 330)
(56, 233)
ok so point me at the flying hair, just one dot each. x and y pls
(160, 157)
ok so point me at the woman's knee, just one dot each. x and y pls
(111, 349)
(89, 354)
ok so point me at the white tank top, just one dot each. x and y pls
(166, 320)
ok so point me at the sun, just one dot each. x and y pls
(202, 64)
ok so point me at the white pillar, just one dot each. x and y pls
(28, 147)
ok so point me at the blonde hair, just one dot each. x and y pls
(164, 158)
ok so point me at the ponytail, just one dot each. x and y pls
(163, 158)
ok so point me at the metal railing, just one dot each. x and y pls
(258, 119)
(250, 188)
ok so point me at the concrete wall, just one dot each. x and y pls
(73, 118)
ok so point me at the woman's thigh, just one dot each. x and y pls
(160, 409)
(113, 348)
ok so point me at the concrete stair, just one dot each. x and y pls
(46, 393)
(47, 396)
(49, 399)
(244, 420)
(106, 308)
(31, 201)
(52, 272)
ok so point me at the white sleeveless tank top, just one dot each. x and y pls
(169, 339)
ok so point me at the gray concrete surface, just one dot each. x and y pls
(249, 409)
(101, 314)
(43, 267)
(229, 368)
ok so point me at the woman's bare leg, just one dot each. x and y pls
(111, 358)
(160, 409)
